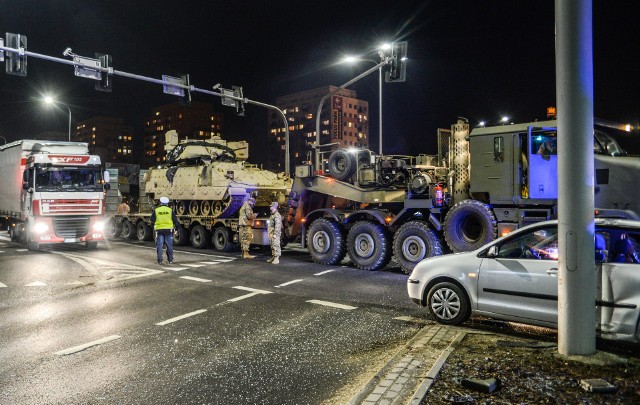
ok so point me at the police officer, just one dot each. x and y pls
(274, 228)
(244, 226)
(164, 220)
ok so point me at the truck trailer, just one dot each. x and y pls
(52, 192)
(482, 184)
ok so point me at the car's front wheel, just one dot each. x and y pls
(448, 304)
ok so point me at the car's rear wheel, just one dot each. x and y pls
(448, 304)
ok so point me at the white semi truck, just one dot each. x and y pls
(52, 192)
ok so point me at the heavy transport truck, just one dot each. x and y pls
(483, 183)
(207, 182)
(52, 192)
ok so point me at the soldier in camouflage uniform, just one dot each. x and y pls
(274, 228)
(244, 226)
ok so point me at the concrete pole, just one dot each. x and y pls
(574, 90)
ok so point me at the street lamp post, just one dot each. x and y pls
(50, 100)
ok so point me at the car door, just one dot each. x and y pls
(521, 281)
(618, 284)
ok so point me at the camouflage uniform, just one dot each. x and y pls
(244, 226)
(274, 228)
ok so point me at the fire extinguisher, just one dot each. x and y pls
(438, 195)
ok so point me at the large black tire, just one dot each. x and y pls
(113, 229)
(200, 237)
(33, 246)
(368, 246)
(326, 242)
(91, 245)
(413, 242)
(222, 239)
(129, 230)
(144, 231)
(469, 225)
(448, 304)
(342, 164)
(181, 236)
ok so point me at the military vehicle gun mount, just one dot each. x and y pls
(212, 177)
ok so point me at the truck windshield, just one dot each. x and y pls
(68, 178)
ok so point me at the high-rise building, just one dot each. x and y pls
(108, 137)
(194, 121)
(344, 120)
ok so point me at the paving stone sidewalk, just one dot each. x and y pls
(406, 378)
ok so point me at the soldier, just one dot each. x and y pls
(274, 228)
(164, 221)
(244, 226)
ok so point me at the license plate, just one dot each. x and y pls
(71, 240)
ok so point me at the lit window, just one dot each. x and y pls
(350, 124)
(309, 116)
(157, 113)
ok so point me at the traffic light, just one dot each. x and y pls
(398, 63)
(16, 63)
(186, 99)
(105, 80)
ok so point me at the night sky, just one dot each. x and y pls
(475, 59)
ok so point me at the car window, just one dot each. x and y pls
(539, 244)
(624, 247)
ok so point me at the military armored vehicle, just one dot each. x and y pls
(212, 178)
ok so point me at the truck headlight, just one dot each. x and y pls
(98, 226)
(40, 228)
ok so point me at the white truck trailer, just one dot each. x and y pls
(52, 192)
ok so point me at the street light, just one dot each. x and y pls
(353, 59)
(50, 101)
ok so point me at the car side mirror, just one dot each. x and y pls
(493, 251)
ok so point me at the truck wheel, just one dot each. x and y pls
(413, 242)
(33, 246)
(143, 231)
(181, 237)
(342, 164)
(326, 242)
(129, 230)
(200, 237)
(113, 228)
(448, 304)
(91, 245)
(368, 246)
(469, 225)
(222, 239)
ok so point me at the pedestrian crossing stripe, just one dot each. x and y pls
(2, 285)
(176, 268)
(192, 265)
(35, 284)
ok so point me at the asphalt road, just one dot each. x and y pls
(112, 326)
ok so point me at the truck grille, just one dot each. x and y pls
(71, 227)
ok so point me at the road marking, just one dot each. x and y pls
(175, 268)
(1, 251)
(193, 265)
(210, 262)
(177, 318)
(253, 290)
(242, 297)
(185, 252)
(202, 280)
(36, 284)
(118, 271)
(22, 250)
(75, 283)
(2, 285)
(410, 319)
(80, 348)
(332, 304)
(289, 282)
(324, 272)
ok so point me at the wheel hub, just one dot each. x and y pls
(321, 242)
(414, 249)
(364, 245)
(445, 304)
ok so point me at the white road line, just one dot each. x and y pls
(22, 250)
(2, 285)
(323, 272)
(193, 265)
(289, 282)
(1, 251)
(332, 304)
(209, 262)
(243, 297)
(252, 290)
(410, 319)
(202, 280)
(184, 251)
(175, 268)
(75, 283)
(177, 318)
(35, 284)
(80, 348)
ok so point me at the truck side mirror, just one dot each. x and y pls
(106, 176)
(107, 186)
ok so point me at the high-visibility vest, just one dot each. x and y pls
(163, 218)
